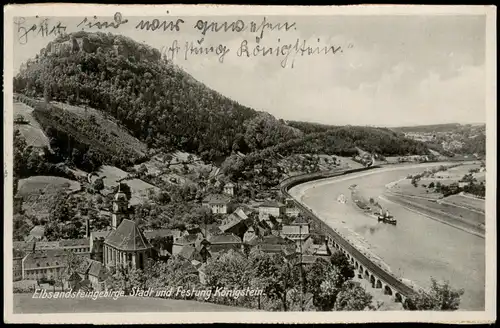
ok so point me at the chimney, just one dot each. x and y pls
(87, 227)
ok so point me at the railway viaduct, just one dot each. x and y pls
(364, 266)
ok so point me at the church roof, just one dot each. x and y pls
(127, 237)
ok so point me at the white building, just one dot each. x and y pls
(271, 208)
(229, 189)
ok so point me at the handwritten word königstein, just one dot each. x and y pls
(287, 51)
(44, 27)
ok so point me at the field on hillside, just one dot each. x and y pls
(108, 124)
(39, 192)
(31, 130)
(112, 176)
(24, 303)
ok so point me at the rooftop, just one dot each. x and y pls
(230, 222)
(187, 240)
(38, 231)
(227, 238)
(217, 199)
(271, 204)
(300, 221)
(187, 252)
(46, 258)
(41, 245)
(75, 242)
(308, 259)
(294, 230)
(23, 245)
(128, 237)
(162, 233)
(97, 270)
(242, 213)
(99, 234)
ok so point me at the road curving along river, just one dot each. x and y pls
(417, 248)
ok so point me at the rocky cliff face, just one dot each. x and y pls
(92, 42)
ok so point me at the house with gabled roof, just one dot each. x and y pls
(162, 241)
(242, 212)
(43, 264)
(186, 240)
(224, 242)
(234, 224)
(273, 245)
(36, 233)
(218, 203)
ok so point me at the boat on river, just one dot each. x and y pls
(386, 217)
(342, 199)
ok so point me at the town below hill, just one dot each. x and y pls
(129, 172)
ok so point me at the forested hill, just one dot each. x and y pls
(167, 108)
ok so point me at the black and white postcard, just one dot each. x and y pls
(189, 164)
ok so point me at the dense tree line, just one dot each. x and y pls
(154, 99)
(168, 109)
(82, 141)
(29, 161)
(327, 284)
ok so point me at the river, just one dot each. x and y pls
(417, 249)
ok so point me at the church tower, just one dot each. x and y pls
(120, 208)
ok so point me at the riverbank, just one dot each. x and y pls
(432, 205)
(435, 214)
(416, 249)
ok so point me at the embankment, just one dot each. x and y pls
(434, 211)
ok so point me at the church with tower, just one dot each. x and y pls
(124, 245)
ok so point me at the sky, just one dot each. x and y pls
(391, 70)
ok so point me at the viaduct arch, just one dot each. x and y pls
(364, 267)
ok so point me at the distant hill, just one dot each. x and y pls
(428, 128)
(453, 138)
(162, 107)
